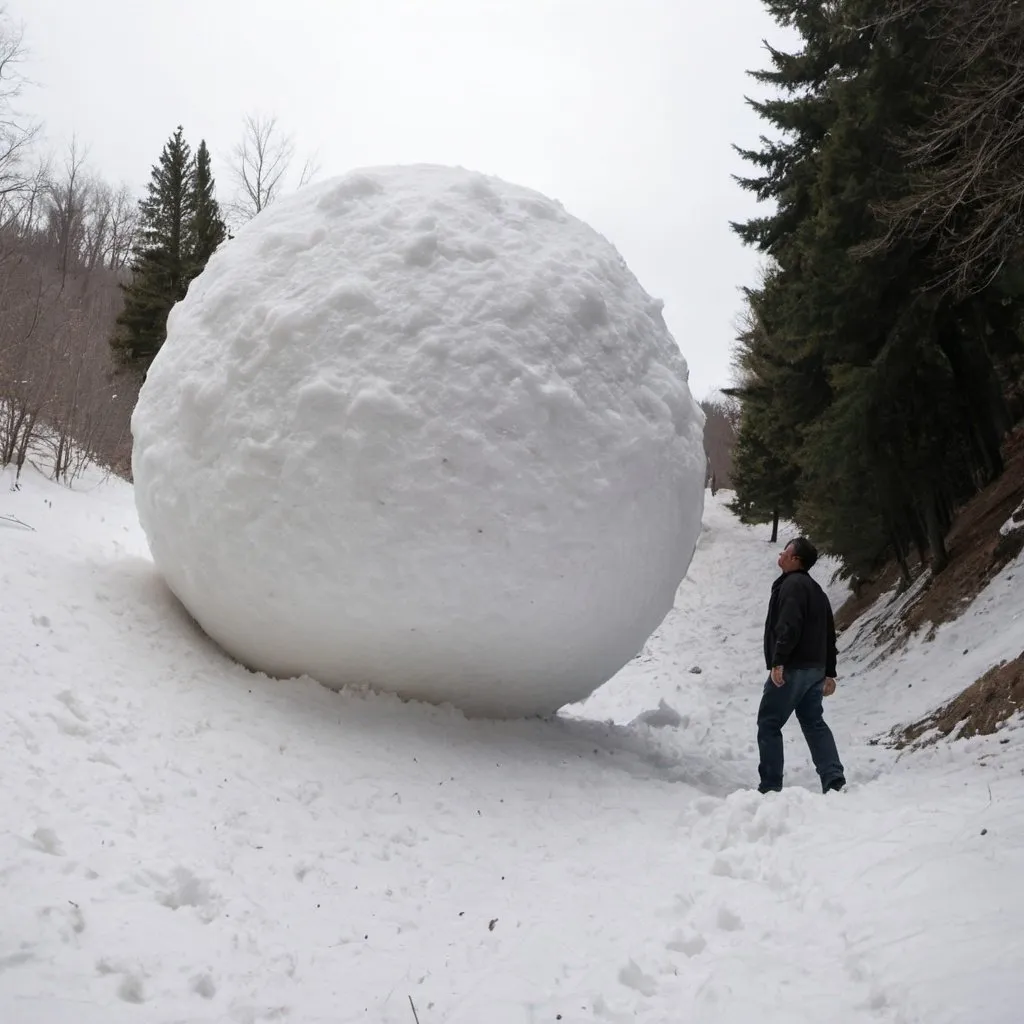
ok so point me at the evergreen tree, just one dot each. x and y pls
(208, 229)
(872, 403)
(160, 260)
(968, 193)
(765, 468)
(180, 227)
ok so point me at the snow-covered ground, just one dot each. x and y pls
(185, 841)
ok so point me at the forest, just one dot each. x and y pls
(879, 361)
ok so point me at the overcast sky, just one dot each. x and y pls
(622, 109)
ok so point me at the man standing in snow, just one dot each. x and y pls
(800, 651)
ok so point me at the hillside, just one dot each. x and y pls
(187, 841)
(987, 535)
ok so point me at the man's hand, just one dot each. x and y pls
(829, 688)
(777, 677)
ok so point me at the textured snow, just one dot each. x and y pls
(186, 841)
(420, 429)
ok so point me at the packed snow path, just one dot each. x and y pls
(186, 841)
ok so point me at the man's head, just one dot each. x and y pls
(798, 554)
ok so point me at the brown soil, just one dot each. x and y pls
(978, 711)
(867, 594)
(977, 552)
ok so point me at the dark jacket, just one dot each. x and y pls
(799, 631)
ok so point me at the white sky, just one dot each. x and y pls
(622, 109)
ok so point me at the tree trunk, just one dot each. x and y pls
(775, 526)
(905, 577)
(936, 539)
(900, 552)
(975, 372)
(920, 538)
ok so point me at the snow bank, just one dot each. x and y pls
(1015, 522)
(421, 429)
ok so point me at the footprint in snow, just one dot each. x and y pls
(661, 717)
(15, 959)
(728, 920)
(68, 920)
(687, 941)
(130, 989)
(633, 977)
(69, 727)
(181, 888)
(204, 985)
(73, 704)
(46, 839)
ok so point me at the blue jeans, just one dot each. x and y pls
(801, 692)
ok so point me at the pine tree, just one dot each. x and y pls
(160, 261)
(180, 228)
(871, 403)
(766, 472)
(208, 229)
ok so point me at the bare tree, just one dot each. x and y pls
(60, 269)
(64, 241)
(967, 196)
(59, 395)
(721, 421)
(262, 159)
(67, 211)
(260, 165)
(109, 224)
(16, 134)
(24, 211)
(29, 318)
(123, 226)
(89, 409)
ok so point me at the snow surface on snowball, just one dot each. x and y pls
(420, 429)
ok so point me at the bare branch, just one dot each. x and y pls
(261, 161)
(124, 224)
(68, 207)
(310, 169)
(967, 197)
(16, 134)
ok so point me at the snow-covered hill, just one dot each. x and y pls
(186, 841)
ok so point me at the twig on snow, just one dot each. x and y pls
(12, 519)
(415, 1015)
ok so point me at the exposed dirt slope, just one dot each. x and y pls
(979, 710)
(979, 546)
(977, 552)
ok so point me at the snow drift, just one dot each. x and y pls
(420, 429)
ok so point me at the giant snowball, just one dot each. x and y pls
(419, 429)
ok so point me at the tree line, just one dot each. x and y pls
(880, 358)
(88, 272)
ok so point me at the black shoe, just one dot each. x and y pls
(769, 789)
(834, 786)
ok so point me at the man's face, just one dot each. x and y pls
(788, 562)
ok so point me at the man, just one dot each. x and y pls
(800, 651)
